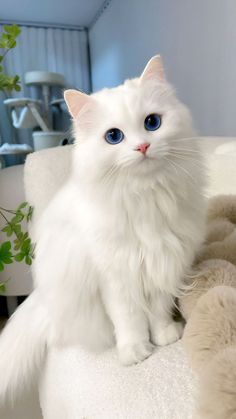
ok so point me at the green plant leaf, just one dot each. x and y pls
(11, 43)
(17, 245)
(2, 287)
(6, 82)
(5, 253)
(26, 246)
(5, 247)
(28, 260)
(19, 257)
(30, 213)
(17, 88)
(17, 230)
(6, 36)
(8, 230)
(7, 260)
(13, 30)
(3, 43)
(16, 79)
(23, 205)
(22, 243)
(17, 218)
(7, 28)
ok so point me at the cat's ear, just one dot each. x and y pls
(75, 101)
(154, 70)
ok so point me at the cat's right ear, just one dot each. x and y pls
(75, 101)
(154, 70)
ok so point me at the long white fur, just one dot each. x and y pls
(115, 243)
(22, 346)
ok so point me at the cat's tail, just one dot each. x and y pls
(22, 347)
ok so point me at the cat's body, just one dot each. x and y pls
(137, 240)
(114, 245)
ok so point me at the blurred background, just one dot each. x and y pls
(93, 44)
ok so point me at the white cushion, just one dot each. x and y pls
(228, 148)
(45, 171)
(76, 385)
(221, 163)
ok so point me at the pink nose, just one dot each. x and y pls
(142, 147)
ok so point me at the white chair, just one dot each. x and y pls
(75, 384)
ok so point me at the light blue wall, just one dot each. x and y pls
(197, 40)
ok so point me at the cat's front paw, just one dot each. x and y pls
(168, 334)
(134, 353)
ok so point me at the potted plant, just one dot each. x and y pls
(20, 247)
(8, 83)
(8, 42)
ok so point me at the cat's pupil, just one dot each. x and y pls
(114, 136)
(152, 122)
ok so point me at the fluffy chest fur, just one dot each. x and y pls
(145, 238)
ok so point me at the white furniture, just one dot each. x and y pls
(75, 384)
(23, 112)
(30, 113)
(45, 80)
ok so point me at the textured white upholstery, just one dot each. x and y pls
(77, 385)
(45, 172)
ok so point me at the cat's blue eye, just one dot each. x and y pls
(114, 136)
(152, 122)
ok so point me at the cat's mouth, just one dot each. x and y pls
(145, 157)
(146, 161)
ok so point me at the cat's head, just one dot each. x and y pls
(130, 129)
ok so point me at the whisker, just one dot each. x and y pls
(188, 150)
(192, 162)
(186, 139)
(185, 171)
(169, 161)
(186, 157)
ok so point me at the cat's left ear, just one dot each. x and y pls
(75, 101)
(154, 70)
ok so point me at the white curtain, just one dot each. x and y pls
(62, 51)
(59, 50)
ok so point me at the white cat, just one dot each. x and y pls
(115, 243)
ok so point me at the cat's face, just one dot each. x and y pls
(129, 129)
